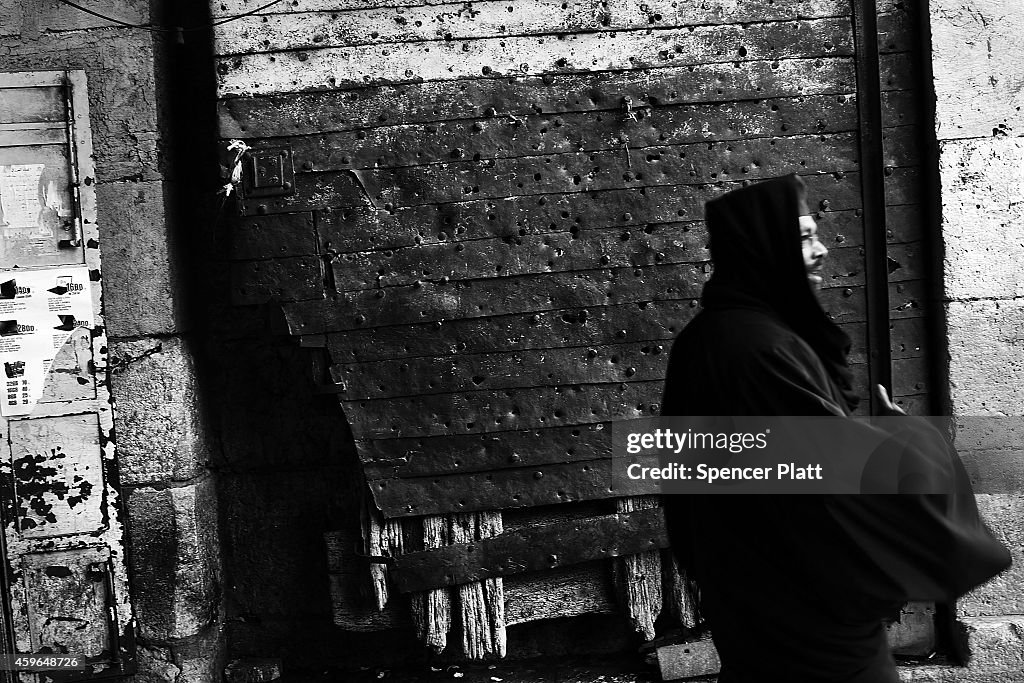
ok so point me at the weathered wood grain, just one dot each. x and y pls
(604, 170)
(507, 410)
(537, 548)
(347, 575)
(262, 237)
(558, 327)
(286, 279)
(494, 18)
(420, 457)
(381, 538)
(515, 255)
(449, 183)
(845, 304)
(481, 603)
(638, 577)
(497, 296)
(714, 11)
(433, 102)
(363, 228)
(432, 608)
(563, 592)
(518, 55)
(538, 134)
(638, 361)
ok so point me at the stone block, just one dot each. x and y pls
(983, 217)
(155, 665)
(686, 660)
(139, 280)
(201, 657)
(1004, 515)
(159, 427)
(177, 570)
(976, 47)
(997, 655)
(986, 357)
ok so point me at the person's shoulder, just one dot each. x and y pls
(754, 334)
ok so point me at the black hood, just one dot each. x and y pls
(756, 250)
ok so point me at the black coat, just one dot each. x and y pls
(795, 587)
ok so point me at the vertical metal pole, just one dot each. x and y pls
(869, 105)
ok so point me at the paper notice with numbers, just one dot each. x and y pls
(39, 309)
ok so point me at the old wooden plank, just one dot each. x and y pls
(262, 237)
(497, 296)
(517, 55)
(907, 261)
(901, 146)
(908, 337)
(32, 105)
(515, 255)
(558, 327)
(537, 134)
(362, 228)
(910, 376)
(347, 576)
(502, 369)
(898, 29)
(431, 608)
(562, 592)
(638, 576)
(545, 547)
(909, 299)
(531, 294)
(381, 538)
(680, 593)
(581, 171)
(437, 101)
(903, 185)
(495, 18)
(698, 164)
(900, 108)
(898, 71)
(638, 361)
(507, 410)
(482, 603)
(718, 10)
(279, 279)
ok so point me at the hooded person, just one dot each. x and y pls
(796, 587)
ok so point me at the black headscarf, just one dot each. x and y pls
(756, 250)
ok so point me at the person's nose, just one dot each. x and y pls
(820, 250)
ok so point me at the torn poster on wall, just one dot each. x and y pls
(39, 309)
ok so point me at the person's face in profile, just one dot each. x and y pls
(814, 251)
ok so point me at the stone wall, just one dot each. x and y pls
(162, 445)
(979, 86)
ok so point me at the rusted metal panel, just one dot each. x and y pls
(68, 602)
(903, 186)
(493, 18)
(910, 299)
(544, 547)
(603, 51)
(544, 329)
(792, 9)
(442, 301)
(909, 337)
(440, 101)
(533, 134)
(906, 261)
(58, 475)
(510, 409)
(263, 237)
(425, 456)
(363, 228)
(610, 169)
(285, 279)
(639, 361)
(910, 376)
(514, 255)
(33, 105)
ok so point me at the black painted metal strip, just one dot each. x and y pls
(869, 102)
(531, 549)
